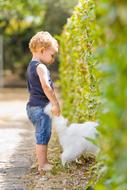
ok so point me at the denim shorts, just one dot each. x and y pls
(42, 123)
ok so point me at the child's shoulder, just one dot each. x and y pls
(41, 68)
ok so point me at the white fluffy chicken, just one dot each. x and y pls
(74, 138)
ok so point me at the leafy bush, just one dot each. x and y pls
(77, 71)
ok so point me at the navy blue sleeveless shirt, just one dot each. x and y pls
(37, 95)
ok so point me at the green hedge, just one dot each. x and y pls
(77, 71)
(98, 33)
(112, 55)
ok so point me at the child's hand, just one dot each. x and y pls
(56, 109)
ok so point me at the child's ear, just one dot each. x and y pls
(42, 49)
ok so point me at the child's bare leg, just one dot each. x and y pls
(41, 152)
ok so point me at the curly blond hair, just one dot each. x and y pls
(42, 39)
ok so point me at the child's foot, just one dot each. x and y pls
(46, 167)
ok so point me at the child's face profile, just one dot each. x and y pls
(48, 55)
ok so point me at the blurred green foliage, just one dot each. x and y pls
(94, 52)
(57, 12)
(20, 20)
(112, 56)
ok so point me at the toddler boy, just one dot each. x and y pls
(40, 85)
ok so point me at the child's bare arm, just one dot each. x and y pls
(42, 73)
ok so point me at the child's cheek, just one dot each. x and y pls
(48, 58)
